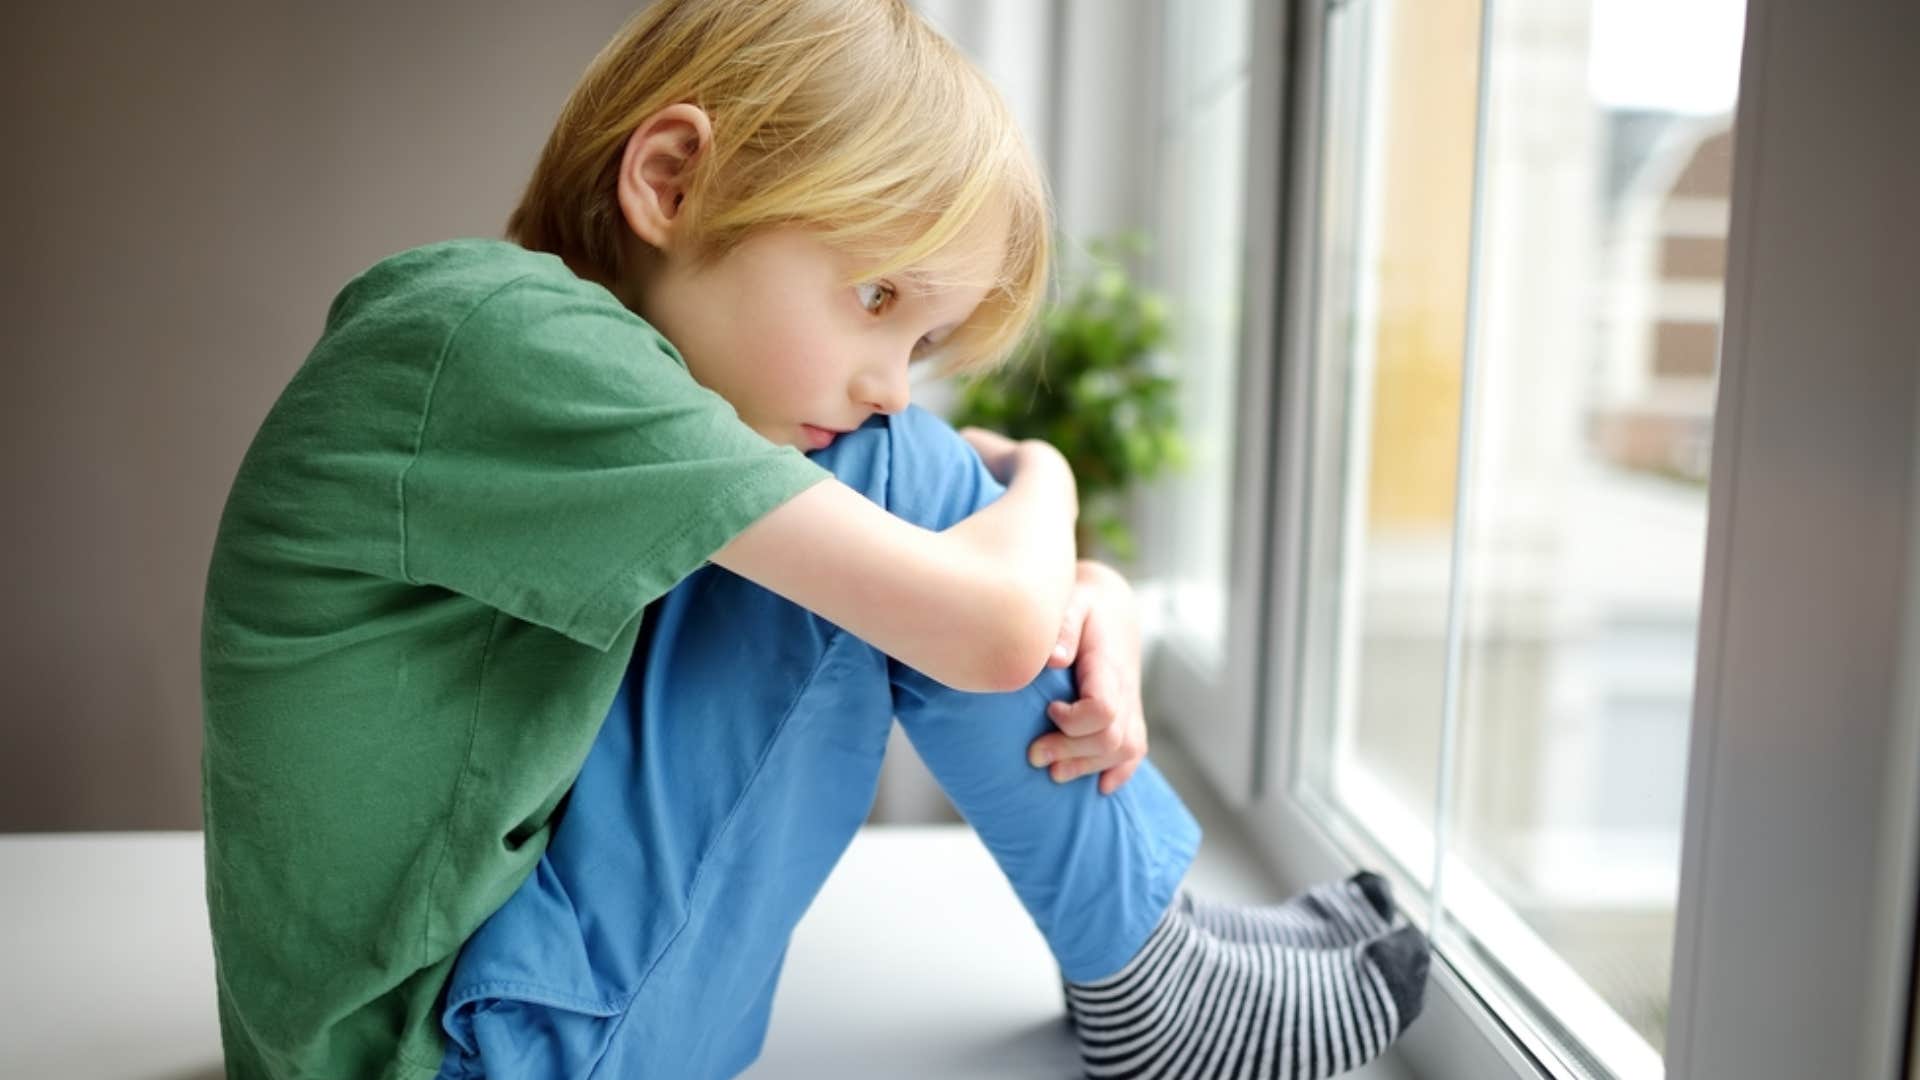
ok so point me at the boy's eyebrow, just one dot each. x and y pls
(920, 291)
(923, 283)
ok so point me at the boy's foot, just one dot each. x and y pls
(1329, 915)
(1326, 916)
(1191, 1005)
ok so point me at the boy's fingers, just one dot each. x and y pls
(996, 451)
(1111, 780)
(1084, 717)
(1075, 767)
(985, 442)
(1100, 681)
(1103, 749)
(1099, 700)
(1067, 648)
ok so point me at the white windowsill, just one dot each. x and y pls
(915, 960)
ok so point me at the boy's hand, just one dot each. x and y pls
(1106, 730)
(1004, 457)
(996, 451)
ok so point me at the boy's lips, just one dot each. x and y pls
(818, 437)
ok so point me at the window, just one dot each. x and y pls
(1522, 240)
(1507, 647)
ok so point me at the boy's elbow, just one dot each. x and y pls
(1024, 639)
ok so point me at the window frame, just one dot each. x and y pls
(1797, 271)
(1820, 282)
(1219, 705)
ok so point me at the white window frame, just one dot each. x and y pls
(1217, 705)
(1803, 801)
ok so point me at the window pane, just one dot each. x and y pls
(1594, 288)
(1603, 244)
(1396, 190)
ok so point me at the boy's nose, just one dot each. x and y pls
(884, 392)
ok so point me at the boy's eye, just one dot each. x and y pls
(881, 292)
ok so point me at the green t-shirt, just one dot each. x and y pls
(425, 589)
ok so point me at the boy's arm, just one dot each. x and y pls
(977, 606)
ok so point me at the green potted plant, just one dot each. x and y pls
(1084, 382)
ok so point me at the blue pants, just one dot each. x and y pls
(738, 759)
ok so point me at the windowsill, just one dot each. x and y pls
(109, 964)
(915, 960)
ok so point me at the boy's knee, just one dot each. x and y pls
(915, 465)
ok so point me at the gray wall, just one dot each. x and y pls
(185, 187)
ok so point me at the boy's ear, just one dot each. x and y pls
(654, 169)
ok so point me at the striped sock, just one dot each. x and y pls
(1326, 916)
(1191, 1006)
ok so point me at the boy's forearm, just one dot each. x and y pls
(977, 606)
(1026, 551)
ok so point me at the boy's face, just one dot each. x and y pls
(799, 355)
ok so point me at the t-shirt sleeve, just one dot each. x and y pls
(569, 470)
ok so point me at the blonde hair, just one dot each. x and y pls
(852, 117)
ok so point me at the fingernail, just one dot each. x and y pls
(1039, 758)
(1060, 651)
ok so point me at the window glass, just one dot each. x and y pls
(1499, 653)
(1396, 190)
